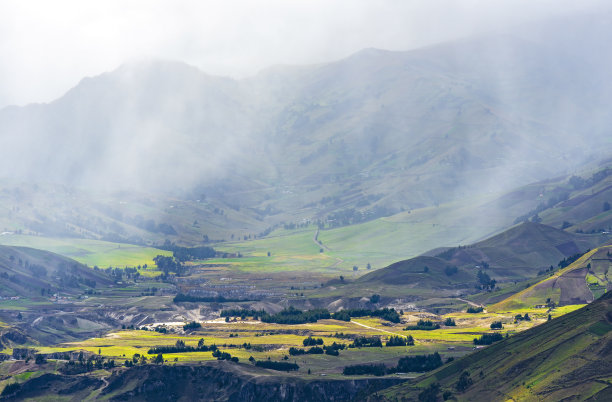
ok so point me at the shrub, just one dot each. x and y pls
(497, 325)
(361, 369)
(487, 339)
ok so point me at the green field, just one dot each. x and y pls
(90, 252)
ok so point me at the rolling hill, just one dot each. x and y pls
(522, 251)
(564, 359)
(580, 282)
(519, 253)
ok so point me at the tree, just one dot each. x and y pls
(368, 266)
(159, 359)
(425, 269)
(606, 206)
(430, 394)
(355, 267)
(465, 381)
(374, 298)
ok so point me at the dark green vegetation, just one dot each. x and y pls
(423, 325)
(567, 357)
(299, 203)
(415, 364)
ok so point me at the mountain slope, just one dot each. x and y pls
(564, 359)
(408, 128)
(580, 282)
(523, 250)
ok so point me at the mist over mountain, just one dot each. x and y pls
(399, 129)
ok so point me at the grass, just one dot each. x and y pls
(273, 340)
(90, 252)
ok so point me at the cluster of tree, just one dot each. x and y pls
(169, 264)
(366, 342)
(224, 356)
(315, 350)
(183, 254)
(475, 310)
(423, 325)
(519, 317)
(334, 348)
(578, 183)
(342, 335)
(192, 325)
(137, 358)
(385, 313)
(280, 366)
(567, 261)
(449, 322)
(418, 364)
(430, 394)
(396, 340)
(150, 226)
(365, 369)
(497, 325)
(448, 254)
(450, 270)
(464, 382)
(291, 226)
(292, 315)
(11, 389)
(544, 271)
(351, 216)
(310, 341)
(180, 347)
(487, 339)
(82, 365)
(485, 280)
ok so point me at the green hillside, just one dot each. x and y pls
(26, 272)
(581, 282)
(520, 253)
(523, 250)
(579, 203)
(564, 359)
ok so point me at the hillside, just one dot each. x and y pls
(564, 359)
(580, 282)
(371, 135)
(26, 272)
(517, 254)
(522, 251)
(579, 203)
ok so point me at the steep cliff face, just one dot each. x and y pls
(226, 381)
(217, 381)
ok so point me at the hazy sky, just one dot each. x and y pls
(46, 47)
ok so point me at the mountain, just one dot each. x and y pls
(564, 359)
(582, 281)
(522, 252)
(376, 132)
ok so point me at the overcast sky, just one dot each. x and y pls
(46, 47)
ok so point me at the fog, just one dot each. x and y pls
(280, 106)
(46, 48)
